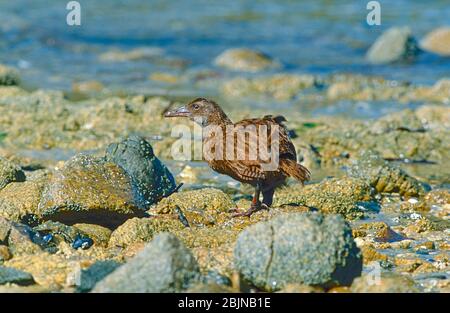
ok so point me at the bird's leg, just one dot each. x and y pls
(256, 204)
(268, 196)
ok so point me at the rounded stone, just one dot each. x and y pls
(396, 44)
(164, 265)
(243, 59)
(437, 41)
(310, 249)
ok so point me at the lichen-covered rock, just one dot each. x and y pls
(89, 190)
(384, 283)
(242, 59)
(385, 177)
(200, 207)
(8, 76)
(13, 276)
(165, 265)
(48, 270)
(138, 230)
(151, 179)
(270, 254)
(23, 209)
(395, 137)
(9, 172)
(281, 87)
(439, 201)
(334, 195)
(405, 120)
(396, 44)
(436, 117)
(437, 41)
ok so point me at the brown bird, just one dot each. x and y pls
(252, 168)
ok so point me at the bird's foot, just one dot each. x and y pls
(254, 208)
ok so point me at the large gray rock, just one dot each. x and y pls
(150, 177)
(13, 276)
(396, 44)
(164, 265)
(298, 248)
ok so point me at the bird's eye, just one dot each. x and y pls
(195, 106)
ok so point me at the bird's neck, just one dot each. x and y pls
(218, 118)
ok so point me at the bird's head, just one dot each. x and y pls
(201, 110)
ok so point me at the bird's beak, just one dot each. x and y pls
(178, 112)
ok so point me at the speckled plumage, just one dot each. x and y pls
(247, 169)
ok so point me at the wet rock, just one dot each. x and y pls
(405, 120)
(368, 88)
(370, 255)
(199, 207)
(419, 226)
(385, 177)
(9, 172)
(396, 44)
(437, 202)
(165, 265)
(89, 190)
(270, 256)
(13, 276)
(437, 41)
(384, 283)
(8, 76)
(151, 179)
(246, 60)
(54, 233)
(280, 87)
(95, 273)
(18, 237)
(341, 196)
(394, 137)
(436, 117)
(138, 230)
(99, 234)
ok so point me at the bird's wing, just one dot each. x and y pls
(249, 155)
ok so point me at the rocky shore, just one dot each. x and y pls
(89, 199)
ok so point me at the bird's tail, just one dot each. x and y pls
(295, 170)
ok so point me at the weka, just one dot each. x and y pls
(248, 170)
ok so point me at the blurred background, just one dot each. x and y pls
(184, 37)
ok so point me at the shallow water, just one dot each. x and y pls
(317, 37)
